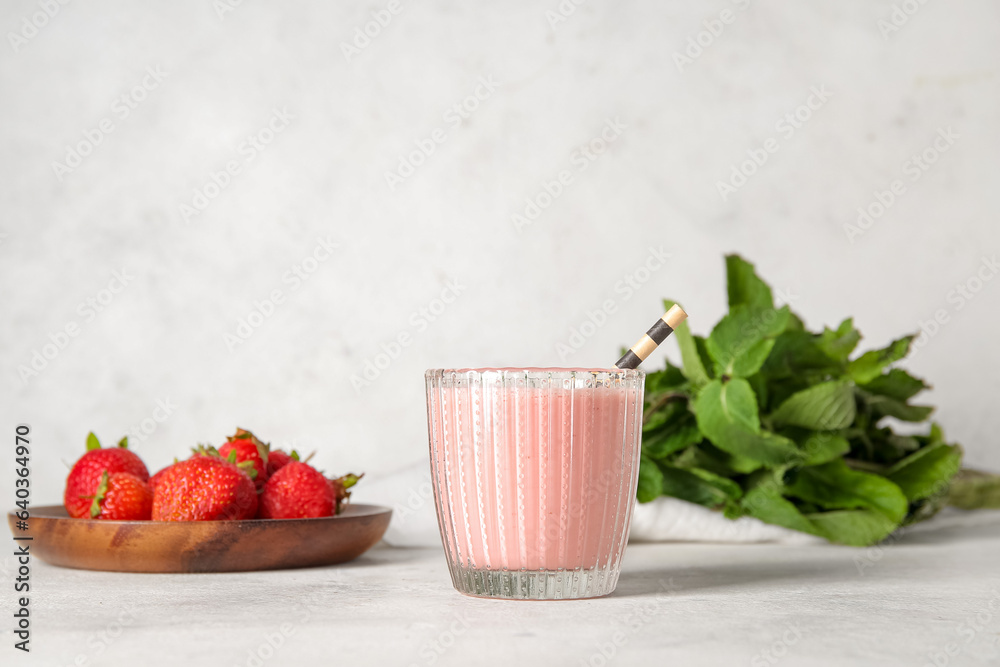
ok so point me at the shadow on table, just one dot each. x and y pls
(383, 554)
(950, 527)
(692, 580)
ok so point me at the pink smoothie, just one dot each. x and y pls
(538, 477)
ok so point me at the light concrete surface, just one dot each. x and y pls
(154, 358)
(929, 596)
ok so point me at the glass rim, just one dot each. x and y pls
(537, 371)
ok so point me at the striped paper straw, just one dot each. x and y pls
(652, 338)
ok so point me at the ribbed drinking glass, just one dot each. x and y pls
(535, 474)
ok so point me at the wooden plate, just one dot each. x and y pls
(202, 546)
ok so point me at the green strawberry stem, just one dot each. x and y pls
(349, 480)
(102, 491)
(263, 448)
(246, 466)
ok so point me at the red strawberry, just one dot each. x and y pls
(278, 459)
(340, 488)
(296, 491)
(121, 496)
(205, 488)
(248, 448)
(84, 477)
(155, 479)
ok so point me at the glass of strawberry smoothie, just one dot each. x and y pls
(535, 473)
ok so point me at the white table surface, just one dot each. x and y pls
(935, 589)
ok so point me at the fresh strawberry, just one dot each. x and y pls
(296, 491)
(155, 479)
(248, 448)
(85, 476)
(278, 459)
(121, 496)
(340, 487)
(205, 488)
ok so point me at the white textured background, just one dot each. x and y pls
(163, 336)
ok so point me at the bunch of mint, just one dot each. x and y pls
(770, 420)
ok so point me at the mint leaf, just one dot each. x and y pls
(765, 502)
(694, 367)
(838, 344)
(707, 456)
(795, 323)
(927, 471)
(673, 438)
(972, 489)
(650, 481)
(698, 486)
(795, 351)
(827, 406)
(727, 486)
(835, 486)
(669, 378)
(903, 443)
(855, 528)
(727, 415)
(744, 286)
(820, 447)
(737, 343)
(870, 365)
(701, 345)
(751, 360)
(663, 413)
(897, 384)
(883, 406)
